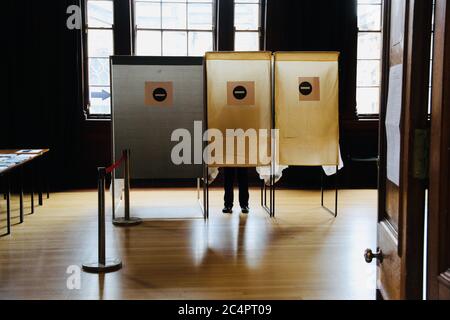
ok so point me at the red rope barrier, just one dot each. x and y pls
(115, 165)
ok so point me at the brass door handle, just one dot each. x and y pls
(369, 255)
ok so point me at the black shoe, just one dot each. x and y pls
(227, 210)
(245, 209)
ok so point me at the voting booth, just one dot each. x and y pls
(239, 109)
(307, 108)
(239, 102)
(306, 102)
(151, 98)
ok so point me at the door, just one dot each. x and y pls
(403, 137)
(439, 200)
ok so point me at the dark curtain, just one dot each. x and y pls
(43, 108)
(318, 25)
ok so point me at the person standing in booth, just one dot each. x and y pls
(242, 177)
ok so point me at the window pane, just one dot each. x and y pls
(100, 43)
(100, 14)
(99, 71)
(200, 16)
(174, 16)
(369, 45)
(369, 17)
(368, 100)
(430, 99)
(174, 43)
(246, 41)
(100, 98)
(246, 16)
(148, 15)
(148, 43)
(369, 1)
(368, 73)
(199, 43)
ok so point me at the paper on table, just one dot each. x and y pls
(393, 118)
(30, 151)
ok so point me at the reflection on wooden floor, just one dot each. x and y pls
(304, 253)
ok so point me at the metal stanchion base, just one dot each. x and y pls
(110, 265)
(122, 222)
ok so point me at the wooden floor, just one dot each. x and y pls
(304, 253)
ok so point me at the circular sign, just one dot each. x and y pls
(305, 88)
(160, 94)
(240, 92)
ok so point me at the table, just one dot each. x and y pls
(17, 160)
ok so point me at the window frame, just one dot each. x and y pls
(213, 30)
(222, 32)
(370, 116)
(262, 14)
(85, 61)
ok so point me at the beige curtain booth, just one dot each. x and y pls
(307, 107)
(239, 97)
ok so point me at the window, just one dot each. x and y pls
(99, 48)
(161, 28)
(369, 57)
(431, 60)
(174, 27)
(247, 23)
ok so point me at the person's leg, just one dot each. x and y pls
(229, 186)
(242, 174)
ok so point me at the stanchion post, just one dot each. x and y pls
(102, 265)
(127, 220)
(126, 155)
(101, 217)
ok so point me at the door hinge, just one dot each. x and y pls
(421, 153)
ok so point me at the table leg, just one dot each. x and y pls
(8, 206)
(21, 193)
(32, 188)
(39, 182)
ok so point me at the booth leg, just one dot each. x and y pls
(336, 189)
(272, 203)
(336, 195)
(127, 220)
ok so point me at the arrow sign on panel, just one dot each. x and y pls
(100, 95)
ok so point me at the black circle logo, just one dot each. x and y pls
(305, 88)
(240, 92)
(160, 94)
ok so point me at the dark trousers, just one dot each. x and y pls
(242, 176)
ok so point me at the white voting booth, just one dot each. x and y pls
(306, 102)
(294, 92)
(239, 97)
(152, 97)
